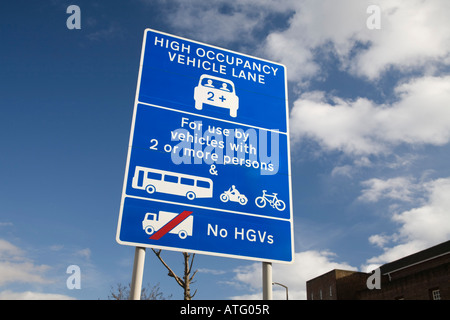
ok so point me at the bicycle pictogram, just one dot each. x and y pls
(273, 200)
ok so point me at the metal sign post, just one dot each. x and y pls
(138, 272)
(267, 280)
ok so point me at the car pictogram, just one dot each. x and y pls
(216, 92)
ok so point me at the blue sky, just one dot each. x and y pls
(369, 123)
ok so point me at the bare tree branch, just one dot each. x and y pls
(187, 278)
(147, 293)
(192, 262)
(193, 275)
(171, 273)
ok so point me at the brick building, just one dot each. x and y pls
(424, 275)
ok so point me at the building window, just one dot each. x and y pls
(331, 292)
(320, 294)
(435, 294)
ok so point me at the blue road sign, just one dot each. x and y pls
(208, 167)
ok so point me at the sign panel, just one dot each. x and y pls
(208, 166)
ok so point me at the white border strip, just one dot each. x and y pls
(212, 118)
(209, 208)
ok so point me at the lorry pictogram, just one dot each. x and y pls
(154, 222)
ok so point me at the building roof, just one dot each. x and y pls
(418, 257)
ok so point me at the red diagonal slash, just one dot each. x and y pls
(170, 225)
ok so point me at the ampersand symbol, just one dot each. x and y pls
(213, 170)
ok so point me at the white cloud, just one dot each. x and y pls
(379, 240)
(342, 171)
(413, 34)
(15, 267)
(223, 23)
(30, 295)
(419, 228)
(315, 24)
(428, 224)
(7, 249)
(360, 127)
(6, 224)
(85, 253)
(26, 272)
(112, 31)
(211, 271)
(400, 188)
(345, 125)
(422, 115)
(307, 265)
